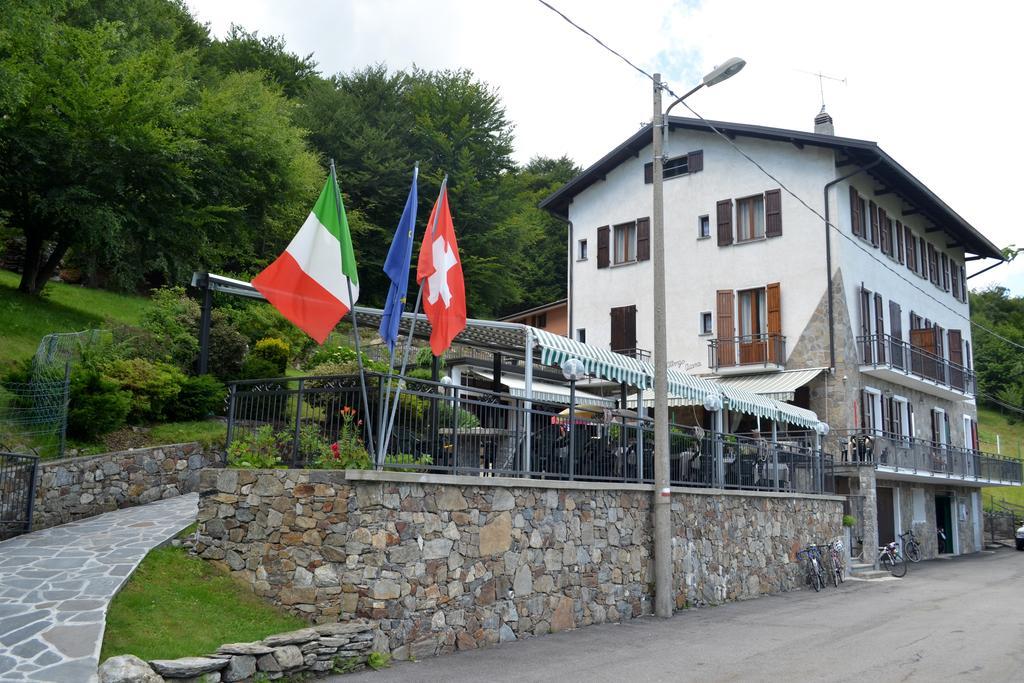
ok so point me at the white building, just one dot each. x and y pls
(886, 360)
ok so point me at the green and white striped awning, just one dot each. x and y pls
(780, 385)
(600, 363)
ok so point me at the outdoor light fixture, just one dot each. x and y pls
(573, 369)
(727, 69)
(822, 428)
(713, 403)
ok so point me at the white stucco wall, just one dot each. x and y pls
(697, 268)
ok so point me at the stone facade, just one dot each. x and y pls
(321, 649)
(446, 563)
(75, 488)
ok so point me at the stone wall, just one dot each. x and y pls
(74, 488)
(341, 648)
(447, 563)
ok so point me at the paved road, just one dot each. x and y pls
(56, 584)
(959, 619)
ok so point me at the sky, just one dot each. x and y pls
(932, 82)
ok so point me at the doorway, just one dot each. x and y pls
(886, 515)
(944, 521)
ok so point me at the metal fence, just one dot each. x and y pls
(17, 493)
(888, 351)
(467, 430)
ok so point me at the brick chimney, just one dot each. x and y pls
(823, 123)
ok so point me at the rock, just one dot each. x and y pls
(227, 480)
(505, 634)
(496, 536)
(244, 649)
(562, 619)
(127, 669)
(451, 499)
(268, 485)
(239, 668)
(343, 628)
(503, 500)
(465, 641)
(325, 575)
(523, 584)
(437, 549)
(268, 663)
(288, 657)
(291, 638)
(187, 667)
(386, 589)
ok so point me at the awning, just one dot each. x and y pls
(781, 386)
(544, 392)
(602, 363)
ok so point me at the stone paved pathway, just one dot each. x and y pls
(56, 584)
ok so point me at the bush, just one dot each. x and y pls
(98, 404)
(173, 318)
(467, 420)
(259, 321)
(227, 348)
(154, 387)
(255, 367)
(257, 450)
(199, 396)
(849, 520)
(274, 351)
(348, 452)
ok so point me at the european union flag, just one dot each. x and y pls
(396, 267)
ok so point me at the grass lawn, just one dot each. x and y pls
(179, 606)
(61, 308)
(1011, 436)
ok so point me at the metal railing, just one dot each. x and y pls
(911, 455)
(747, 351)
(464, 430)
(887, 351)
(17, 493)
(639, 354)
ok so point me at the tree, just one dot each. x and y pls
(999, 364)
(243, 50)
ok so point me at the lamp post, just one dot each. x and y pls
(572, 370)
(663, 589)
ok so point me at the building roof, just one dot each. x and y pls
(536, 309)
(853, 152)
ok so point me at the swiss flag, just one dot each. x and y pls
(444, 292)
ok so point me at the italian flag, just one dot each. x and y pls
(314, 282)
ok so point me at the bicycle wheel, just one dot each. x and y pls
(816, 581)
(913, 554)
(885, 562)
(899, 567)
(837, 570)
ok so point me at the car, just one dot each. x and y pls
(1020, 537)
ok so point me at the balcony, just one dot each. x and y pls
(897, 361)
(906, 458)
(639, 354)
(747, 354)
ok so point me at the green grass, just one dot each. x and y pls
(179, 606)
(206, 432)
(1011, 437)
(61, 308)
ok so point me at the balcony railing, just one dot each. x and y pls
(919, 456)
(639, 354)
(883, 350)
(752, 350)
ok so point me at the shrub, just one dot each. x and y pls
(849, 520)
(467, 420)
(273, 351)
(259, 321)
(154, 387)
(173, 318)
(257, 450)
(348, 452)
(313, 447)
(98, 404)
(395, 462)
(259, 368)
(199, 397)
(227, 348)
(332, 354)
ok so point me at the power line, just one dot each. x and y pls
(1002, 404)
(783, 185)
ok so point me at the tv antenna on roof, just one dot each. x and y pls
(821, 82)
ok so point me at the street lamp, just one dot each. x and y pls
(573, 370)
(663, 589)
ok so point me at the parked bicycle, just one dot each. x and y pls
(834, 560)
(889, 559)
(910, 546)
(811, 557)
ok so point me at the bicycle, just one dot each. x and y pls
(812, 564)
(834, 559)
(910, 546)
(889, 559)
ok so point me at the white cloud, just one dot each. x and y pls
(932, 82)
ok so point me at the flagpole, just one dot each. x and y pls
(412, 327)
(355, 324)
(383, 446)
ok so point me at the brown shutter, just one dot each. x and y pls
(896, 350)
(954, 279)
(643, 239)
(908, 239)
(773, 297)
(865, 325)
(933, 265)
(935, 426)
(974, 434)
(873, 211)
(618, 328)
(648, 173)
(885, 243)
(898, 236)
(602, 246)
(726, 330)
(956, 358)
(886, 415)
(724, 222)
(773, 213)
(629, 327)
(944, 268)
(879, 328)
(855, 211)
(695, 161)
(963, 284)
(864, 398)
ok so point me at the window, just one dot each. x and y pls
(703, 227)
(676, 166)
(753, 317)
(750, 218)
(900, 418)
(581, 335)
(581, 253)
(919, 510)
(705, 322)
(540, 321)
(871, 410)
(625, 243)
(944, 269)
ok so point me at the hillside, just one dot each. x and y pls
(1011, 436)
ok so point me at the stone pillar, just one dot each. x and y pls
(866, 484)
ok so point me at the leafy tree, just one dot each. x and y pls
(999, 364)
(243, 50)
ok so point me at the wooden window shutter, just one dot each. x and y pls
(648, 173)
(773, 297)
(954, 279)
(629, 327)
(726, 331)
(944, 269)
(933, 265)
(908, 239)
(618, 328)
(873, 211)
(695, 161)
(643, 239)
(773, 213)
(910, 419)
(879, 328)
(602, 246)
(935, 426)
(724, 222)
(886, 415)
(974, 434)
(855, 211)
(956, 346)
(864, 398)
(865, 325)
(885, 243)
(898, 236)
